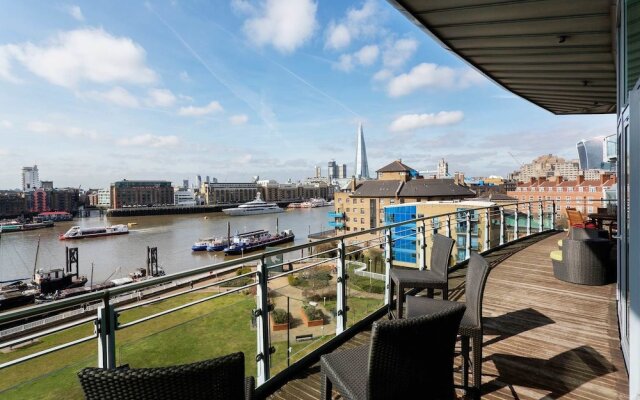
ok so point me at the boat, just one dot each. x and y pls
(16, 298)
(257, 206)
(77, 232)
(52, 280)
(15, 226)
(294, 205)
(313, 203)
(201, 245)
(219, 244)
(55, 216)
(259, 242)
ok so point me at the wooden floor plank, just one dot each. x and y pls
(544, 338)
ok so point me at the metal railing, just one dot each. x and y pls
(489, 227)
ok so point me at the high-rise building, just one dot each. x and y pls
(343, 171)
(443, 169)
(332, 170)
(362, 166)
(318, 171)
(591, 153)
(30, 179)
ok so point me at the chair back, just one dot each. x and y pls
(220, 378)
(414, 356)
(440, 254)
(477, 273)
(574, 217)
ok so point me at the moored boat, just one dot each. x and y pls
(257, 206)
(77, 232)
(260, 242)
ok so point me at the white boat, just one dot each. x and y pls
(77, 232)
(257, 206)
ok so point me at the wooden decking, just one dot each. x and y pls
(543, 338)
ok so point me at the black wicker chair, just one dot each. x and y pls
(406, 358)
(471, 325)
(221, 378)
(437, 277)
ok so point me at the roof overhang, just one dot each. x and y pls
(558, 54)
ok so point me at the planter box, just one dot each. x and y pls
(315, 322)
(278, 327)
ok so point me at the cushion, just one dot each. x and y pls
(560, 243)
(556, 255)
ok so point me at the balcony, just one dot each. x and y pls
(192, 315)
(336, 224)
(333, 214)
(543, 338)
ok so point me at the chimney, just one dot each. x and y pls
(353, 183)
(604, 177)
(532, 180)
(559, 179)
(580, 179)
(541, 179)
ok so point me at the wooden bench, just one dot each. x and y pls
(302, 338)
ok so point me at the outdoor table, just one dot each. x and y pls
(600, 218)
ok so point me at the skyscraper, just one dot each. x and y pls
(362, 167)
(443, 169)
(332, 170)
(30, 179)
(591, 153)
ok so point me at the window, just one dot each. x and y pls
(362, 211)
(592, 189)
(558, 198)
(559, 189)
(348, 209)
(590, 209)
(580, 189)
(361, 201)
(339, 200)
(362, 220)
(568, 199)
(348, 200)
(569, 189)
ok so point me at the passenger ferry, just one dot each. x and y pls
(77, 232)
(257, 206)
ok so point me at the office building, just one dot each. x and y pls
(30, 179)
(127, 193)
(362, 165)
(216, 193)
(591, 153)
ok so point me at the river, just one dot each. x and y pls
(116, 256)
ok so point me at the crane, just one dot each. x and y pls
(516, 160)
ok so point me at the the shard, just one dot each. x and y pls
(362, 167)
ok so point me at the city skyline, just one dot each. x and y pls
(219, 88)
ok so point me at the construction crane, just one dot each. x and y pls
(516, 160)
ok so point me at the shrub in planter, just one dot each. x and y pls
(279, 319)
(312, 316)
(318, 296)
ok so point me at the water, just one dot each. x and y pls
(173, 235)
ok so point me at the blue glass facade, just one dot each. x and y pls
(404, 236)
(461, 230)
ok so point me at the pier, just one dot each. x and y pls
(169, 210)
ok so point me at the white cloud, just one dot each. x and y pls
(410, 122)
(427, 75)
(5, 124)
(242, 7)
(72, 132)
(283, 24)
(239, 119)
(75, 12)
(338, 36)
(397, 53)
(184, 76)
(357, 23)
(160, 98)
(4, 152)
(365, 56)
(72, 57)
(149, 140)
(193, 111)
(118, 96)
(382, 75)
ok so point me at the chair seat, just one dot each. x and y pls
(348, 371)
(416, 278)
(418, 306)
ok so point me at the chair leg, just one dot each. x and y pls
(445, 293)
(400, 301)
(477, 363)
(430, 293)
(325, 387)
(390, 305)
(464, 344)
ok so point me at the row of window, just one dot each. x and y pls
(592, 189)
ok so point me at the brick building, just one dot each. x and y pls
(141, 193)
(12, 204)
(228, 193)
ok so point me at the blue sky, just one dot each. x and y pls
(97, 91)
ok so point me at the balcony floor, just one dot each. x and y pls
(543, 338)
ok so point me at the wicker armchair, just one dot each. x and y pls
(435, 278)
(221, 378)
(407, 358)
(471, 325)
(584, 261)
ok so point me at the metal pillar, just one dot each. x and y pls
(422, 231)
(105, 330)
(515, 225)
(388, 258)
(468, 244)
(487, 226)
(501, 226)
(528, 219)
(553, 215)
(540, 217)
(341, 289)
(448, 230)
(261, 314)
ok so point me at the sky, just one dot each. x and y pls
(97, 91)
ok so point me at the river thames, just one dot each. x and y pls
(116, 256)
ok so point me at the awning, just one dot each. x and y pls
(558, 54)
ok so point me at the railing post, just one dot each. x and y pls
(553, 214)
(341, 301)
(423, 246)
(388, 258)
(487, 226)
(528, 219)
(515, 225)
(106, 332)
(501, 225)
(448, 227)
(540, 217)
(468, 244)
(262, 323)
